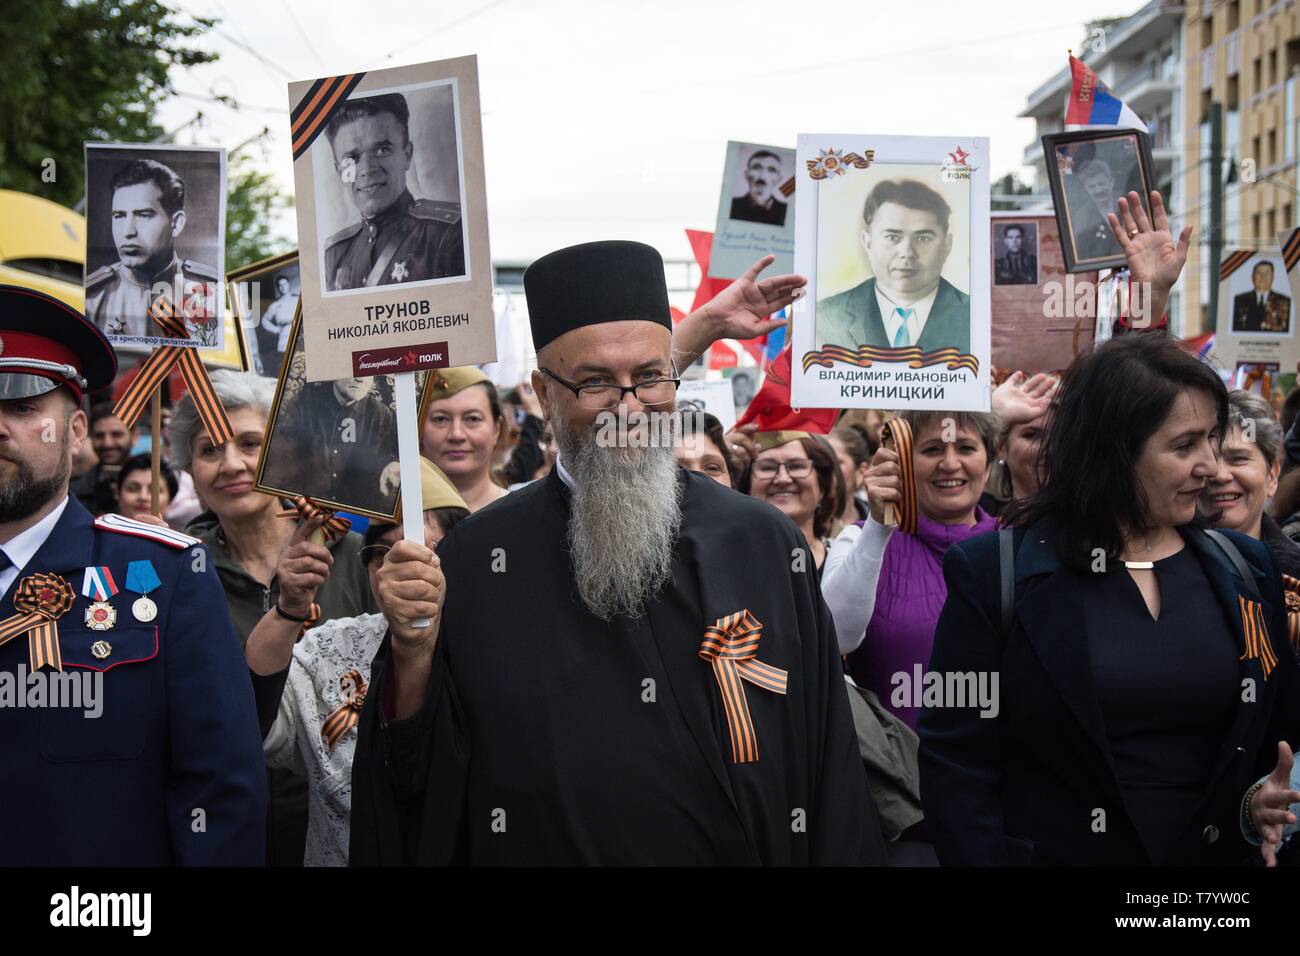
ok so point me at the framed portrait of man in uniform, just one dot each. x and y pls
(265, 298)
(334, 441)
(155, 228)
(392, 219)
(1088, 171)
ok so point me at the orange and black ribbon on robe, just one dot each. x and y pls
(345, 717)
(731, 646)
(306, 509)
(158, 366)
(1256, 633)
(40, 601)
(898, 434)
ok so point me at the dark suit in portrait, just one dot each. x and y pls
(1250, 314)
(745, 209)
(852, 319)
(1016, 268)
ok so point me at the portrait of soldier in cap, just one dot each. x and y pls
(148, 207)
(395, 239)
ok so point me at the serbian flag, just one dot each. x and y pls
(1091, 104)
(771, 410)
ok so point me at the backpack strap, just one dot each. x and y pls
(1007, 556)
(1227, 547)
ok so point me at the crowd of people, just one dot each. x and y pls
(1083, 650)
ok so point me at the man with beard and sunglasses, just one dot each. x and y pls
(600, 683)
(129, 730)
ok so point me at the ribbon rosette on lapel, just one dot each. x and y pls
(39, 600)
(1256, 632)
(345, 718)
(306, 509)
(158, 366)
(731, 646)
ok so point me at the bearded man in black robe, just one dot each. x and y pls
(602, 682)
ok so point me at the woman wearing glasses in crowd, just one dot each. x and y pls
(799, 475)
(885, 587)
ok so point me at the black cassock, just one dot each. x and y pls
(552, 737)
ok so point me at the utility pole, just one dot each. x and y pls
(1215, 232)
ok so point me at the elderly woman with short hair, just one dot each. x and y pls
(269, 583)
(1249, 465)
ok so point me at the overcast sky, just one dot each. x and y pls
(609, 118)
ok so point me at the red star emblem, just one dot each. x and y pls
(411, 357)
(46, 596)
(958, 156)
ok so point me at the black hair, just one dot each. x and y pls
(1016, 226)
(144, 462)
(101, 410)
(1261, 264)
(394, 104)
(908, 193)
(170, 186)
(445, 518)
(760, 154)
(707, 424)
(1110, 402)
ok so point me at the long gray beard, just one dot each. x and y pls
(626, 512)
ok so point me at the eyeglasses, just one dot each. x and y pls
(659, 391)
(795, 468)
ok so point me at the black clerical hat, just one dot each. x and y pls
(593, 283)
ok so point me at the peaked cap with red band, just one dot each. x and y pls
(45, 343)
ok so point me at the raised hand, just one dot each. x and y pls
(1149, 246)
(882, 481)
(303, 569)
(1021, 399)
(741, 310)
(1269, 807)
(410, 586)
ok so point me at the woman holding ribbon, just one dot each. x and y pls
(273, 574)
(884, 583)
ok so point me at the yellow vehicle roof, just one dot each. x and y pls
(42, 245)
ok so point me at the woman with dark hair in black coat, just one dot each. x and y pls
(1145, 691)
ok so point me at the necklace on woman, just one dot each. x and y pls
(1142, 565)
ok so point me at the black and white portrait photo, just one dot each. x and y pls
(1088, 172)
(755, 190)
(155, 226)
(389, 194)
(334, 441)
(266, 296)
(1015, 253)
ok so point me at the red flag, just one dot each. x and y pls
(771, 410)
(702, 247)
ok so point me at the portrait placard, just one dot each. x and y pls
(713, 395)
(155, 228)
(1088, 171)
(1255, 331)
(265, 297)
(893, 235)
(392, 220)
(1042, 316)
(755, 213)
(335, 442)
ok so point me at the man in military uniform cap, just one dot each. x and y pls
(399, 238)
(130, 734)
(148, 216)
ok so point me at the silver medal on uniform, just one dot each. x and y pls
(144, 610)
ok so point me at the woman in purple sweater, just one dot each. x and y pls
(885, 587)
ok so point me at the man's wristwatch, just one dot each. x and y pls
(291, 617)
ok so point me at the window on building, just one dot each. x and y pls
(1254, 227)
(1272, 67)
(1233, 92)
(1292, 57)
(1272, 225)
(1259, 74)
(1234, 15)
(1256, 153)
(1287, 221)
(1272, 147)
(1207, 33)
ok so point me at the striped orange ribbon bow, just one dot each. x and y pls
(1258, 646)
(345, 718)
(899, 433)
(39, 600)
(306, 509)
(158, 366)
(731, 646)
